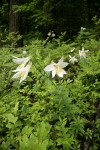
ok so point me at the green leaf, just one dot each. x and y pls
(16, 108)
(11, 118)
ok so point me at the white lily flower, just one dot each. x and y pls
(21, 60)
(22, 72)
(73, 60)
(57, 68)
(82, 53)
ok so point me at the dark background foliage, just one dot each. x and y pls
(32, 16)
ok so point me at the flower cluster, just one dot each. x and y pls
(56, 68)
(51, 34)
(83, 29)
(22, 70)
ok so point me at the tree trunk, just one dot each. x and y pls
(46, 9)
(15, 21)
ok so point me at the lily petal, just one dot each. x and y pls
(61, 63)
(53, 73)
(23, 77)
(20, 67)
(61, 73)
(20, 60)
(64, 64)
(16, 75)
(49, 67)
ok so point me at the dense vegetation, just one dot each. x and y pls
(41, 112)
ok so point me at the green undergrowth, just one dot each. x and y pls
(45, 113)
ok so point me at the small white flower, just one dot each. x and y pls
(21, 60)
(53, 35)
(22, 72)
(73, 60)
(57, 68)
(82, 53)
(49, 33)
(24, 52)
(72, 50)
(83, 29)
